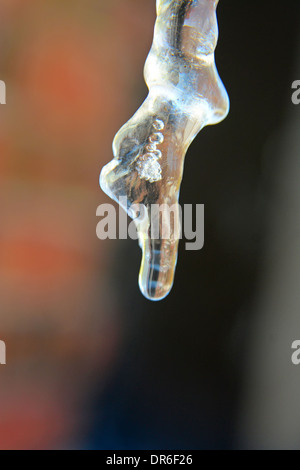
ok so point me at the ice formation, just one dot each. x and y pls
(185, 94)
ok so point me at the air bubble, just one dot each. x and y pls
(157, 153)
(151, 147)
(157, 138)
(158, 124)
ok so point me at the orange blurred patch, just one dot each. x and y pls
(60, 79)
(36, 422)
(9, 9)
(40, 262)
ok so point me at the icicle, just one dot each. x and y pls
(185, 94)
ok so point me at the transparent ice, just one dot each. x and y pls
(185, 94)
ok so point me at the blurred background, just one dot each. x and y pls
(91, 364)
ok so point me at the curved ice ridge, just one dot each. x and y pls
(185, 94)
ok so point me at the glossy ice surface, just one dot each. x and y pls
(185, 94)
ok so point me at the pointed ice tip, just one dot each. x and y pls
(154, 290)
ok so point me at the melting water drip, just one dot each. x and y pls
(185, 94)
